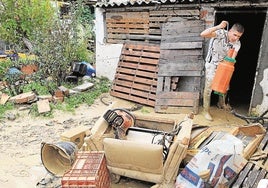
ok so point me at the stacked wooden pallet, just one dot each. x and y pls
(136, 74)
(126, 26)
(181, 60)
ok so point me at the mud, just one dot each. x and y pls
(21, 138)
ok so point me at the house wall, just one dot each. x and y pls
(259, 101)
(107, 55)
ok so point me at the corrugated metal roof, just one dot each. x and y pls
(118, 3)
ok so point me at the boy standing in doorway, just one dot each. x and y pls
(220, 43)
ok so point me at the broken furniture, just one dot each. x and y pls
(136, 156)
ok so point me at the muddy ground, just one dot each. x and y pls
(20, 141)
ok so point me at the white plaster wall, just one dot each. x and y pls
(264, 85)
(107, 55)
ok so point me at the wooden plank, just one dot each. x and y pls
(149, 81)
(181, 45)
(185, 65)
(155, 25)
(135, 86)
(242, 175)
(180, 73)
(130, 36)
(195, 24)
(127, 15)
(132, 91)
(127, 25)
(175, 102)
(178, 12)
(261, 175)
(193, 31)
(178, 95)
(175, 54)
(136, 72)
(175, 109)
(160, 84)
(154, 31)
(140, 59)
(148, 54)
(257, 173)
(182, 37)
(167, 82)
(126, 30)
(138, 66)
(137, 99)
(182, 61)
(150, 48)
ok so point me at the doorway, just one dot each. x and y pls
(242, 81)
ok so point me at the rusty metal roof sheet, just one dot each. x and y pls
(120, 3)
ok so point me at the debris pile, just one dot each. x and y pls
(169, 152)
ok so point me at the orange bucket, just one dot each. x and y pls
(223, 76)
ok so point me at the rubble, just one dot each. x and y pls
(184, 146)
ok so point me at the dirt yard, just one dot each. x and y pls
(20, 161)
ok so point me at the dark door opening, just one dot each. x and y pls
(242, 81)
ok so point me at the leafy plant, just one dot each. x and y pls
(57, 54)
(56, 43)
(20, 19)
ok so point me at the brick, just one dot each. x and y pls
(88, 170)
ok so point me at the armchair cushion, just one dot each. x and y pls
(131, 155)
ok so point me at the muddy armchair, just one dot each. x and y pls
(146, 161)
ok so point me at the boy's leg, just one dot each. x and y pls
(222, 103)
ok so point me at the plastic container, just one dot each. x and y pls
(58, 158)
(90, 69)
(83, 69)
(223, 76)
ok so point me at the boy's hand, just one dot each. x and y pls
(223, 24)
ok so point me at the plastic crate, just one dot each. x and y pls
(88, 170)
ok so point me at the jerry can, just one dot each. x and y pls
(223, 75)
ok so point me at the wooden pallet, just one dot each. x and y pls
(164, 15)
(253, 172)
(181, 58)
(136, 74)
(126, 26)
